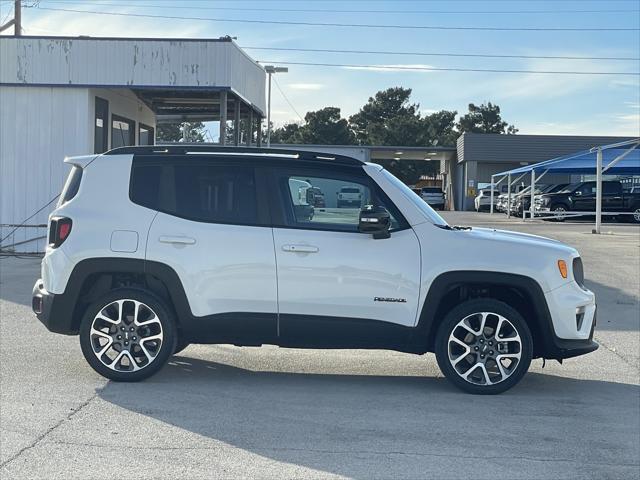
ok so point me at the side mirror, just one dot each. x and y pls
(375, 221)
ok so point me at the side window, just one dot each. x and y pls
(328, 203)
(216, 194)
(611, 188)
(197, 191)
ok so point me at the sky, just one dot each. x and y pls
(566, 104)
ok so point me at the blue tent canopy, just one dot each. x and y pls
(585, 162)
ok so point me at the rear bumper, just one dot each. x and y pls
(52, 310)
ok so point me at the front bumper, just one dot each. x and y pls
(573, 315)
(52, 310)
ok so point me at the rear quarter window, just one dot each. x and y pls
(71, 186)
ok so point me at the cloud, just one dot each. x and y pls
(306, 86)
(415, 67)
(74, 24)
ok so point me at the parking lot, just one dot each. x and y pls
(229, 412)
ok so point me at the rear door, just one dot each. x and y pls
(334, 283)
(612, 197)
(213, 230)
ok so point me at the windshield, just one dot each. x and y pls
(349, 190)
(431, 190)
(423, 206)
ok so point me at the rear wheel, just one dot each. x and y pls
(636, 214)
(484, 346)
(127, 335)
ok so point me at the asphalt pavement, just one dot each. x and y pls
(229, 412)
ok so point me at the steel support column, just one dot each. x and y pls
(259, 131)
(598, 190)
(250, 127)
(223, 118)
(236, 122)
(509, 195)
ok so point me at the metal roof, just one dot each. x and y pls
(141, 64)
(500, 148)
(585, 162)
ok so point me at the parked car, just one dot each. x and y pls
(151, 250)
(524, 201)
(483, 201)
(302, 198)
(581, 197)
(434, 196)
(318, 200)
(503, 198)
(349, 197)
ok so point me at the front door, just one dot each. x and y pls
(336, 285)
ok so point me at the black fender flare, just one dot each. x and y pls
(444, 283)
(66, 312)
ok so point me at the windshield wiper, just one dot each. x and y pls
(455, 227)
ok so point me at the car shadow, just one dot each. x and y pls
(379, 426)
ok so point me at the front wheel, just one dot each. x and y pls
(484, 346)
(636, 215)
(127, 335)
(559, 211)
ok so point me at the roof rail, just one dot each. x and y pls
(186, 149)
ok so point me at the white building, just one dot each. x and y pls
(64, 96)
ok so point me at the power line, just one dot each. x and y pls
(287, 99)
(358, 11)
(349, 25)
(443, 69)
(434, 54)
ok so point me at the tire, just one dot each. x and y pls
(148, 340)
(456, 361)
(559, 208)
(635, 218)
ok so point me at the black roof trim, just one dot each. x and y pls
(185, 149)
(88, 37)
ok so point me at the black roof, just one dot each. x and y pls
(282, 154)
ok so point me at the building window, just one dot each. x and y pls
(101, 132)
(123, 132)
(145, 135)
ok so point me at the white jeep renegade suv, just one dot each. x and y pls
(153, 248)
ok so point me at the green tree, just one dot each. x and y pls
(326, 127)
(173, 132)
(484, 118)
(322, 127)
(289, 133)
(439, 128)
(387, 118)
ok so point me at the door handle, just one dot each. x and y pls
(177, 240)
(300, 248)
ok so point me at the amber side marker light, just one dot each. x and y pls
(562, 266)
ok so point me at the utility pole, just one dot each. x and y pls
(17, 18)
(270, 69)
(16, 21)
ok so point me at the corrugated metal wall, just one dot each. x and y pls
(38, 127)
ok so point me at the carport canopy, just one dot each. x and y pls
(616, 159)
(585, 162)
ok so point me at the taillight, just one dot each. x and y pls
(59, 231)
